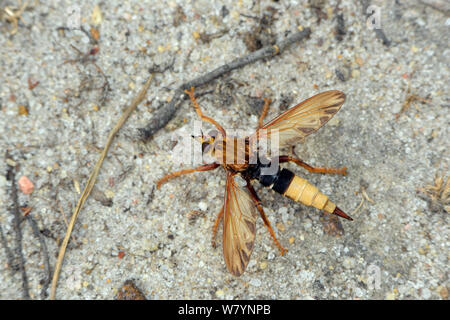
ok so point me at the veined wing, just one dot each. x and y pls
(305, 118)
(239, 226)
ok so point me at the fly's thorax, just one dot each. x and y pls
(232, 152)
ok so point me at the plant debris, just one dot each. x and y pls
(438, 193)
(130, 291)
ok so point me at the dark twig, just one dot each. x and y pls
(439, 5)
(378, 32)
(340, 29)
(166, 113)
(11, 176)
(382, 36)
(47, 270)
(9, 254)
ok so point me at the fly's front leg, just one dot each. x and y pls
(205, 167)
(299, 162)
(191, 95)
(267, 102)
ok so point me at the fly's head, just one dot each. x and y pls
(208, 142)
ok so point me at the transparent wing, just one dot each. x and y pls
(239, 226)
(305, 118)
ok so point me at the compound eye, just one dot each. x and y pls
(205, 146)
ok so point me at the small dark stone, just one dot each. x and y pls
(342, 74)
(224, 11)
(318, 285)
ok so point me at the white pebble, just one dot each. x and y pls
(255, 282)
(2, 181)
(426, 294)
(203, 206)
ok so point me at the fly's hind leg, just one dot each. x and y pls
(299, 162)
(216, 225)
(205, 167)
(257, 203)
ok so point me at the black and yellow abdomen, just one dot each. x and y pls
(298, 189)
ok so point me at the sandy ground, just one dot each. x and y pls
(397, 246)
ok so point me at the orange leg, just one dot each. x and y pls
(216, 224)
(191, 95)
(267, 102)
(205, 167)
(257, 202)
(299, 162)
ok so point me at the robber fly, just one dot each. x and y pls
(241, 203)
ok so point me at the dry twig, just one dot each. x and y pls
(364, 197)
(9, 254)
(47, 270)
(440, 5)
(11, 176)
(410, 99)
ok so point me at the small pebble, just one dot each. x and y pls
(281, 227)
(443, 292)
(96, 16)
(25, 185)
(426, 293)
(355, 74)
(109, 194)
(11, 162)
(202, 206)
(76, 184)
(390, 296)
(220, 293)
(349, 263)
(2, 182)
(255, 282)
(23, 110)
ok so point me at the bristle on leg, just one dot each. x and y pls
(342, 214)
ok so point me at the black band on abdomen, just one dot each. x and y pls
(284, 180)
(268, 180)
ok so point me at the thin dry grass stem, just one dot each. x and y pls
(364, 197)
(91, 182)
